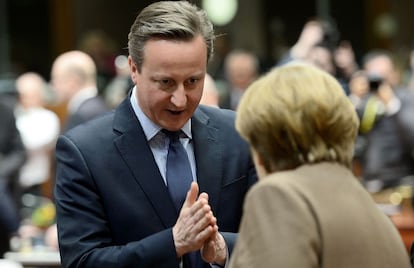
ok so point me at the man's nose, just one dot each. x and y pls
(179, 97)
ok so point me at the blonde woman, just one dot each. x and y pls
(308, 209)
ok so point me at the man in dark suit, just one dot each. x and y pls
(12, 157)
(114, 207)
(387, 126)
(74, 80)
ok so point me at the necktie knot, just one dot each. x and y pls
(173, 135)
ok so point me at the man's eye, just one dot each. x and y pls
(192, 81)
(164, 82)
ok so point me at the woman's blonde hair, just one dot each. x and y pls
(298, 114)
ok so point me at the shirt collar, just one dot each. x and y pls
(150, 128)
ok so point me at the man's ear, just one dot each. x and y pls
(133, 69)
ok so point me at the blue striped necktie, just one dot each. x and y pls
(179, 178)
(179, 175)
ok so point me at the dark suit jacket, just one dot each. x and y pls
(388, 150)
(113, 208)
(12, 152)
(89, 109)
(12, 157)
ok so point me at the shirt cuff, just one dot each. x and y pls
(226, 265)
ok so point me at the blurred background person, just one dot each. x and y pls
(38, 127)
(358, 92)
(345, 61)
(210, 92)
(241, 69)
(118, 87)
(315, 31)
(12, 157)
(358, 88)
(387, 125)
(308, 209)
(102, 48)
(74, 80)
(410, 83)
(318, 44)
(321, 56)
(222, 46)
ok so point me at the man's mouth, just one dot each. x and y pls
(175, 112)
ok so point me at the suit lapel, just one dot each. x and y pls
(135, 151)
(209, 155)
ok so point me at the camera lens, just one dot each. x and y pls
(374, 82)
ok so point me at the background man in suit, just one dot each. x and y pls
(112, 192)
(12, 157)
(74, 81)
(308, 209)
(387, 126)
(241, 69)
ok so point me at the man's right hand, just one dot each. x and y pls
(196, 222)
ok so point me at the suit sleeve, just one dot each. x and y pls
(12, 151)
(405, 121)
(83, 229)
(277, 230)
